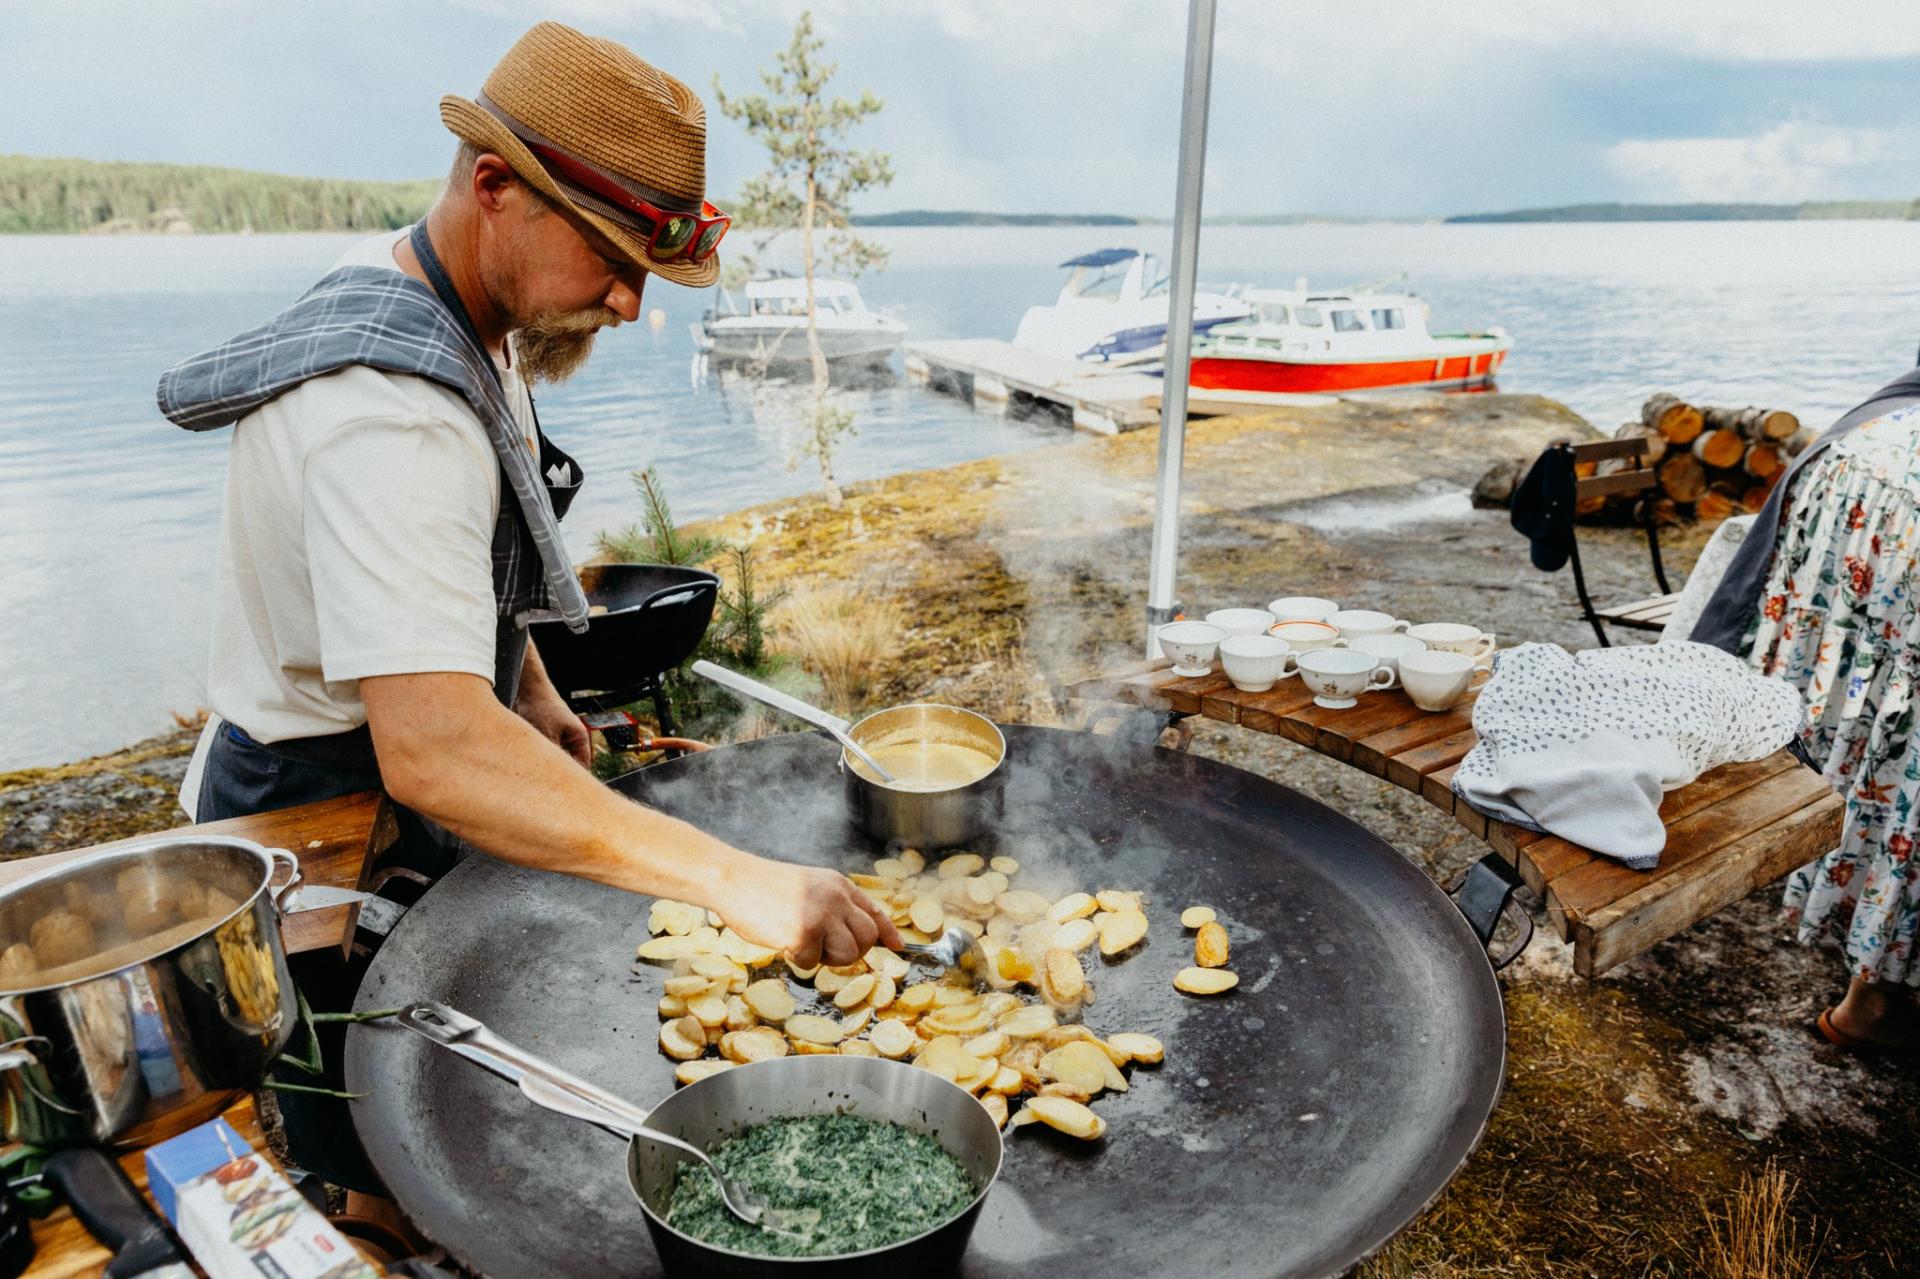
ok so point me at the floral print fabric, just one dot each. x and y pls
(1840, 621)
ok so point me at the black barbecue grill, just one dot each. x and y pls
(1297, 1123)
(655, 617)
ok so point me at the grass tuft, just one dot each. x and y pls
(1755, 1235)
(847, 639)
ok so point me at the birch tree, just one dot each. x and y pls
(811, 178)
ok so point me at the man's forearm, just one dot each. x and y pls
(492, 779)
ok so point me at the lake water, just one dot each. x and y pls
(109, 515)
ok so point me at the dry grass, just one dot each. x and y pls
(1754, 1235)
(847, 639)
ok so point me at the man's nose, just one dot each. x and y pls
(624, 299)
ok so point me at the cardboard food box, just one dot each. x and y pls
(239, 1217)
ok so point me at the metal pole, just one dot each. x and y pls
(1164, 567)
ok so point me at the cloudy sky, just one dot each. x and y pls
(1363, 107)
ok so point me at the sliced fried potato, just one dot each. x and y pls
(945, 1056)
(1116, 899)
(1074, 935)
(683, 1039)
(761, 1043)
(856, 1021)
(1006, 1080)
(989, 1043)
(668, 947)
(744, 952)
(769, 999)
(814, 1029)
(1022, 1118)
(1005, 865)
(692, 1072)
(1060, 1036)
(999, 1003)
(830, 981)
(996, 1105)
(1067, 1116)
(676, 918)
(1022, 906)
(673, 1006)
(1080, 1066)
(1194, 916)
(1065, 980)
(918, 997)
(872, 881)
(1026, 1021)
(928, 914)
(886, 963)
(1205, 981)
(739, 1016)
(1072, 906)
(962, 1019)
(1009, 965)
(709, 1010)
(952, 996)
(885, 991)
(807, 1048)
(890, 868)
(802, 974)
(854, 993)
(981, 892)
(857, 1048)
(688, 986)
(1025, 1059)
(913, 861)
(891, 1038)
(1210, 946)
(1054, 1088)
(961, 864)
(714, 967)
(1124, 929)
(1138, 1047)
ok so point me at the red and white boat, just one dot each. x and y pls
(1297, 341)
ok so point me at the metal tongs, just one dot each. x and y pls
(548, 1086)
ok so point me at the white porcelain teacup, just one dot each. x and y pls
(1356, 623)
(1389, 648)
(1437, 679)
(1241, 621)
(1302, 636)
(1338, 676)
(1453, 637)
(1255, 663)
(1302, 608)
(1191, 645)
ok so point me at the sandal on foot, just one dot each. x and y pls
(1859, 1047)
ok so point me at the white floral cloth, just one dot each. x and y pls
(1583, 745)
(1840, 619)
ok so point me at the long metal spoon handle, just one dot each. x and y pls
(769, 696)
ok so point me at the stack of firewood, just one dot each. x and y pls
(1710, 462)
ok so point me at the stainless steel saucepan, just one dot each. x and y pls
(142, 988)
(893, 813)
(701, 1115)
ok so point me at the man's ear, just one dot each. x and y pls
(493, 177)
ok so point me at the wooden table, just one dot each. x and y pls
(1732, 830)
(333, 841)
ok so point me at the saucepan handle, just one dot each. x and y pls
(542, 1082)
(1482, 896)
(296, 896)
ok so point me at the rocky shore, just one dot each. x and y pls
(1639, 1108)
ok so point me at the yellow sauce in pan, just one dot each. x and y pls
(928, 765)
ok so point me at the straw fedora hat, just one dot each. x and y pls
(599, 105)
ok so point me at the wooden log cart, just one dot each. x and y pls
(1734, 829)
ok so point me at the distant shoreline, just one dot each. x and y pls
(53, 195)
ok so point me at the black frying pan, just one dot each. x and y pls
(1297, 1124)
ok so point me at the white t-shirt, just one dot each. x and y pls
(357, 541)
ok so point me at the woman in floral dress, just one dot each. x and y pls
(1840, 619)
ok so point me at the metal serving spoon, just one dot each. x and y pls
(769, 696)
(957, 950)
(564, 1093)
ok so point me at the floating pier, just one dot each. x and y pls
(994, 375)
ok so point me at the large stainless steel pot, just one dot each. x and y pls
(160, 1022)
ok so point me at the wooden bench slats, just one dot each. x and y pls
(1608, 485)
(1654, 607)
(1732, 829)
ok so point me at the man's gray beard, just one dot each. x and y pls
(551, 348)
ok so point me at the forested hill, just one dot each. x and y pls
(1819, 209)
(56, 196)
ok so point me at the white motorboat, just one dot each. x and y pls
(1113, 309)
(768, 323)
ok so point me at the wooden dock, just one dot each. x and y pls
(995, 375)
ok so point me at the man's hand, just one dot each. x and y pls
(540, 704)
(816, 916)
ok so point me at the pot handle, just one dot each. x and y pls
(296, 896)
(284, 896)
(1481, 895)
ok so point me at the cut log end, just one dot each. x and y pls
(1673, 417)
(1682, 478)
(1719, 449)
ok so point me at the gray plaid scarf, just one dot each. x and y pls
(386, 320)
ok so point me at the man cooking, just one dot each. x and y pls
(391, 503)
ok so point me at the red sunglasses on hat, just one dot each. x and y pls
(674, 235)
